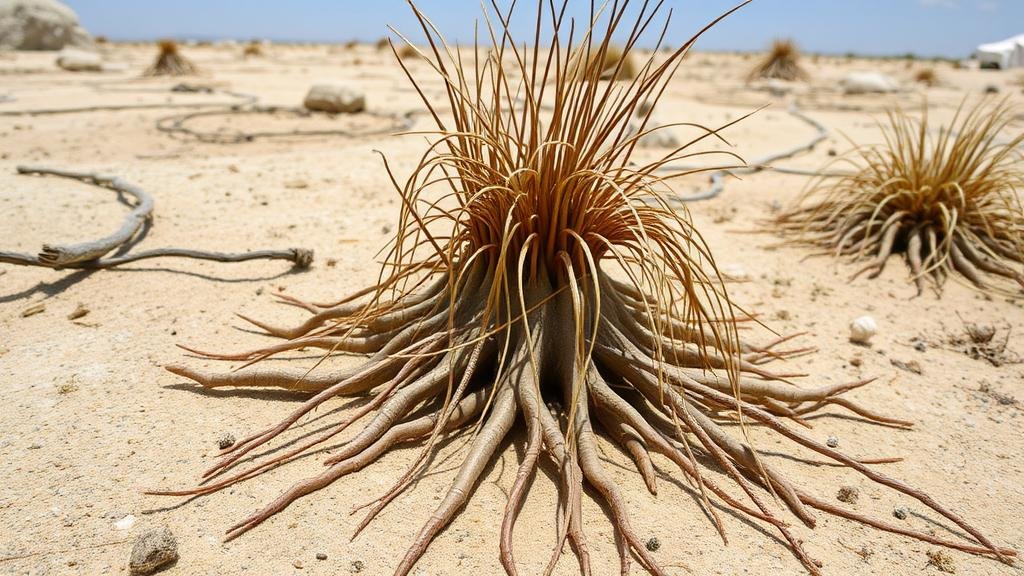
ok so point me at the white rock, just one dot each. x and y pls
(334, 98)
(75, 60)
(735, 272)
(862, 329)
(868, 83)
(40, 25)
(125, 523)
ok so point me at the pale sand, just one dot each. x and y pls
(75, 463)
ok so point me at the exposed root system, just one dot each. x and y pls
(541, 290)
(177, 125)
(93, 255)
(948, 203)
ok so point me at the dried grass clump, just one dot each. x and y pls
(948, 202)
(612, 61)
(407, 51)
(781, 63)
(170, 62)
(926, 76)
(253, 49)
(538, 277)
(382, 44)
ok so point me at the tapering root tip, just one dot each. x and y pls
(303, 257)
(191, 374)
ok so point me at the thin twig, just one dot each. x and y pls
(89, 255)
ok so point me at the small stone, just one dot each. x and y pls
(909, 366)
(900, 513)
(79, 312)
(297, 564)
(735, 272)
(153, 550)
(74, 60)
(225, 440)
(125, 523)
(356, 566)
(992, 89)
(856, 361)
(832, 442)
(942, 561)
(334, 98)
(848, 494)
(653, 544)
(920, 346)
(33, 310)
(296, 184)
(321, 556)
(862, 329)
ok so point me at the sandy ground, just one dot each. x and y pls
(90, 418)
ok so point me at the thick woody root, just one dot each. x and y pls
(644, 389)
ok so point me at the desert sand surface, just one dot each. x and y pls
(90, 418)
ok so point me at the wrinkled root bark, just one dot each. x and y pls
(662, 391)
(928, 251)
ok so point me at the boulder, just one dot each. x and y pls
(334, 98)
(75, 60)
(40, 25)
(869, 83)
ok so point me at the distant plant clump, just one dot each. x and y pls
(949, 202)
(781, 63)
(170, 62)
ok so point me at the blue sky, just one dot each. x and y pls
(925, 27)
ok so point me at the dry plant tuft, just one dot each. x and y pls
(949, 202)
(926, 76)
(407, 51)
(253, 49)
(170, 62)
(613, 61)
(781, 63)
(538, 276)
(383, 44)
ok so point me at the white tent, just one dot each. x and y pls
(1006, 54)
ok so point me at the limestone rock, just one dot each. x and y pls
(334, 98)
(40, 25)
(75, 60)
(152, 551)
(869, 83)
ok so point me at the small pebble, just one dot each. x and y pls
(225, 440)
(942, 561)
(297, 564)
(832, 442)
(321, 556)
(900, 513)
(862, 329)
(848, 494)
(920, 346)
(356, 566)
(153, 550)
(653, 544)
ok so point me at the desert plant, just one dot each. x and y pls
(926, 76)
(382, 44)
(170, 62)
(538, 273)
(614, 62)
(782, 62)
(253, 49)
(948, 202)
